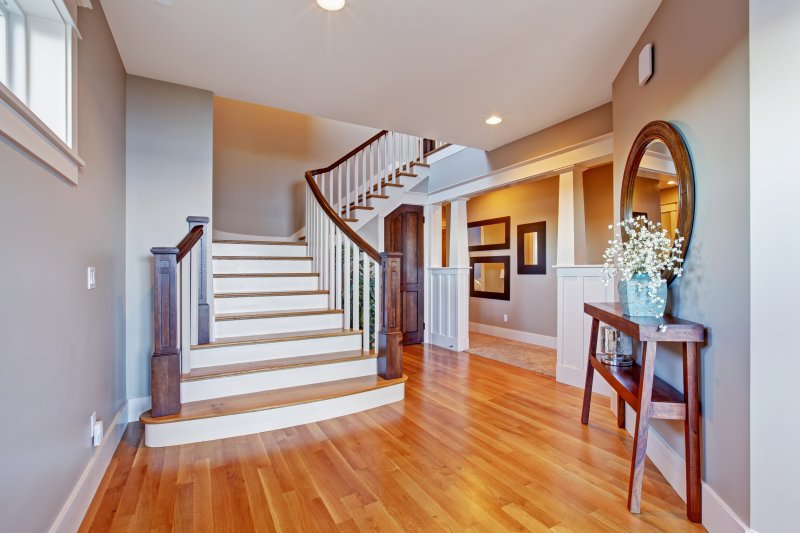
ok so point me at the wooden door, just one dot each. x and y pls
(403, 232)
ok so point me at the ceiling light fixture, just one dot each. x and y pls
(672, 182)
(331, 5)
(494, 120)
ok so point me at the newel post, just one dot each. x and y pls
(165, 365)
(203, 309)
(390, 337)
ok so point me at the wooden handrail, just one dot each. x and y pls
(349, 154)
(188, 242)
(339, 221)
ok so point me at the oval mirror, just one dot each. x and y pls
(659, 183)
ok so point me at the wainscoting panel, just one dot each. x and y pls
(449, 321)
(578, 284)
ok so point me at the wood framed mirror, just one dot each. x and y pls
(489, 234)
(490, 277)
(659, 182)
(532, 248)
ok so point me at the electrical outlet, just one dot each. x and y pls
(92, 420)
(91, 281)
(505, 318)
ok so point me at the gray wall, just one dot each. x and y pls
(700, 84)
(260, 157)
(471, 163)
(63, 345)
(532, 307)
(169, 177)
(774, 256)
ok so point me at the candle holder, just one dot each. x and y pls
(617, 347)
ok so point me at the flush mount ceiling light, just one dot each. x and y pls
(672, 182)
(494, 120)
(331, 5)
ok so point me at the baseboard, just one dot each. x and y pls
(717, 516)
(71, 515)
(451, 343)
(514, 335)
(137, 406)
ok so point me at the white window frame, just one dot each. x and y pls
(22, 128)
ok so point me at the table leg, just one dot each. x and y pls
(620, 412)
(587, 390)
(642, 426)
(694, 506)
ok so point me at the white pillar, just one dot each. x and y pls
(571, 218)
(459, 245)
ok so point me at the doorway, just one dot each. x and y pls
(404, 233)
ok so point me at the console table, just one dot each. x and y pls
(648, 395)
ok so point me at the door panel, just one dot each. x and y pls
(404, 233)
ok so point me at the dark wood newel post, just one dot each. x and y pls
(165, 365)
(203, 310)
(390, 337)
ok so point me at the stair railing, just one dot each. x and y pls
(361, 282)
(181, 314)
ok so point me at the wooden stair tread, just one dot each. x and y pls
(418, 164)
(273, 399)
(268, 275)
(375, 195)
(266, 338)
(265, 294)
(350, 219)
(275, 364)
(270, 243)
(224, 317)
(407, 174)
(259, 258)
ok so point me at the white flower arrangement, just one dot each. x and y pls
(646, 249)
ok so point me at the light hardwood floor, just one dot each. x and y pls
(477, 445)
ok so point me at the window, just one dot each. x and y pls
(36, 84)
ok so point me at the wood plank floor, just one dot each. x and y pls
(477, 445)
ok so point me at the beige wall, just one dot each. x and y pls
(700, 84)
(260, 155)
(532, 307)
(598, 202)
(63, 345)
(169, 177)
(471, 163)
(647, 198)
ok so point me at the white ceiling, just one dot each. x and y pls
(434, 68)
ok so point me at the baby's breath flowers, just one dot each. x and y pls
(645, 250)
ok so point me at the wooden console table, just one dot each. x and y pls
(648, 395)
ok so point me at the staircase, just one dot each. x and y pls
(295, 332)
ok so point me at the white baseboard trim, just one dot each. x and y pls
(137, 406)
(74, 509)
(717, 516)
(514, 335)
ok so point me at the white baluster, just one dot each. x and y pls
(347, 269)
(331, 270)
(347, 180)
(337, 258)
(338, 203)
(365, 302)
(364, 175)
(376, 317)
(356, 292)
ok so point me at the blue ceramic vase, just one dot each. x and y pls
(634, 297)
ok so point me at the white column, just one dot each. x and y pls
(456, 304)
(571, 218)
(433, 259)
(459, 246)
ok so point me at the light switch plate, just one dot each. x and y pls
(91, 281)
(645, 64)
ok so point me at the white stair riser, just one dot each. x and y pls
(192, 391)
(247, 353)
(260, 266)
(264, 250)
(221, 427)
(246, 304)
(291, 283)
(284, 324)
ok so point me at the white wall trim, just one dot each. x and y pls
(718, 517)
(74, 509)
(515, 335)
(23, 129)
(597, 150)
(444, 152)
(137, 406)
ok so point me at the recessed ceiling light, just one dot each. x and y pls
(331, 5)
(672, 182)
(494, 120)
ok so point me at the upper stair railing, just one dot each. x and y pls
(361, 282)
(181, 315)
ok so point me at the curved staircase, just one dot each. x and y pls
(295, 332)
